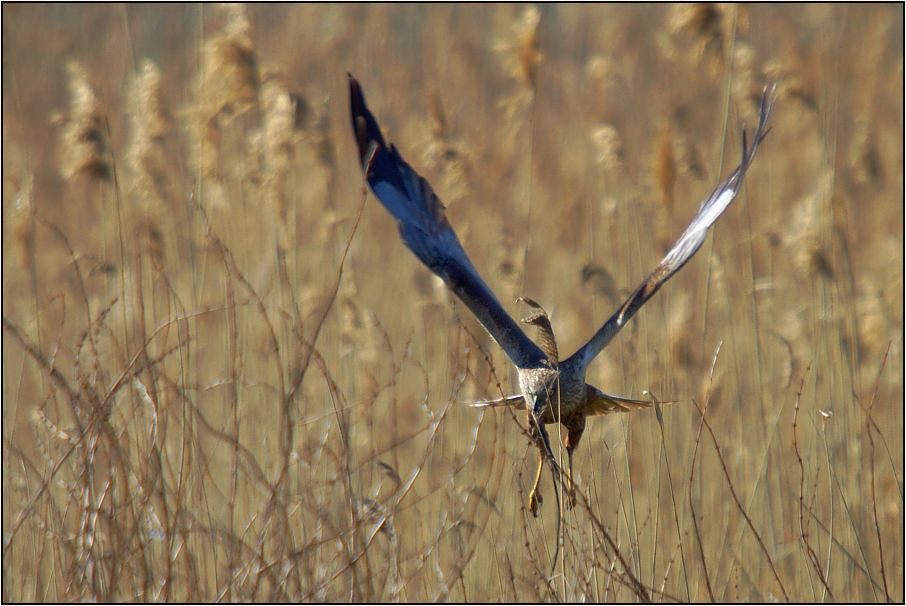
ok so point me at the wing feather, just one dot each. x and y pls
(427, 233)
(687, 244)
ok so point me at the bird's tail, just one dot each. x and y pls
(517, 402)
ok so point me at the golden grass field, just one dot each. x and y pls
(222, 382)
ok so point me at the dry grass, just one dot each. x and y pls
(225, 379)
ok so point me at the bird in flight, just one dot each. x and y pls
(551, 390)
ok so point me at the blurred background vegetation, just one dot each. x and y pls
(223, 382)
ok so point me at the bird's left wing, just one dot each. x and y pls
(687, 245)
(426, 232)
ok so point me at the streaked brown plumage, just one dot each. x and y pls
(571, 417)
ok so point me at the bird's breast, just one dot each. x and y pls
(553, 392)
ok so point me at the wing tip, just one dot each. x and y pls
(364, 126)
(358, 110)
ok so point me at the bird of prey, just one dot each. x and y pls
(551, 390)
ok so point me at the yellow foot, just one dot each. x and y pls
(569, 491)
(534, 502)
(570, 498)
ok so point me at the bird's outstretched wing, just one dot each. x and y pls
(426, 232)
(686, 246)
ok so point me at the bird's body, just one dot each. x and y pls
(551, 390)
(561, 395)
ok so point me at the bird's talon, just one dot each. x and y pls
(535, 502)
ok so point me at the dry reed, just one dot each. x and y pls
(261, 399)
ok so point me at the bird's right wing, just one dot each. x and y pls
(687, 245)
(426, 232)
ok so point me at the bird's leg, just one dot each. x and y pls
(575, 426)
(539, 433)
(535, 500)
(571, 492)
